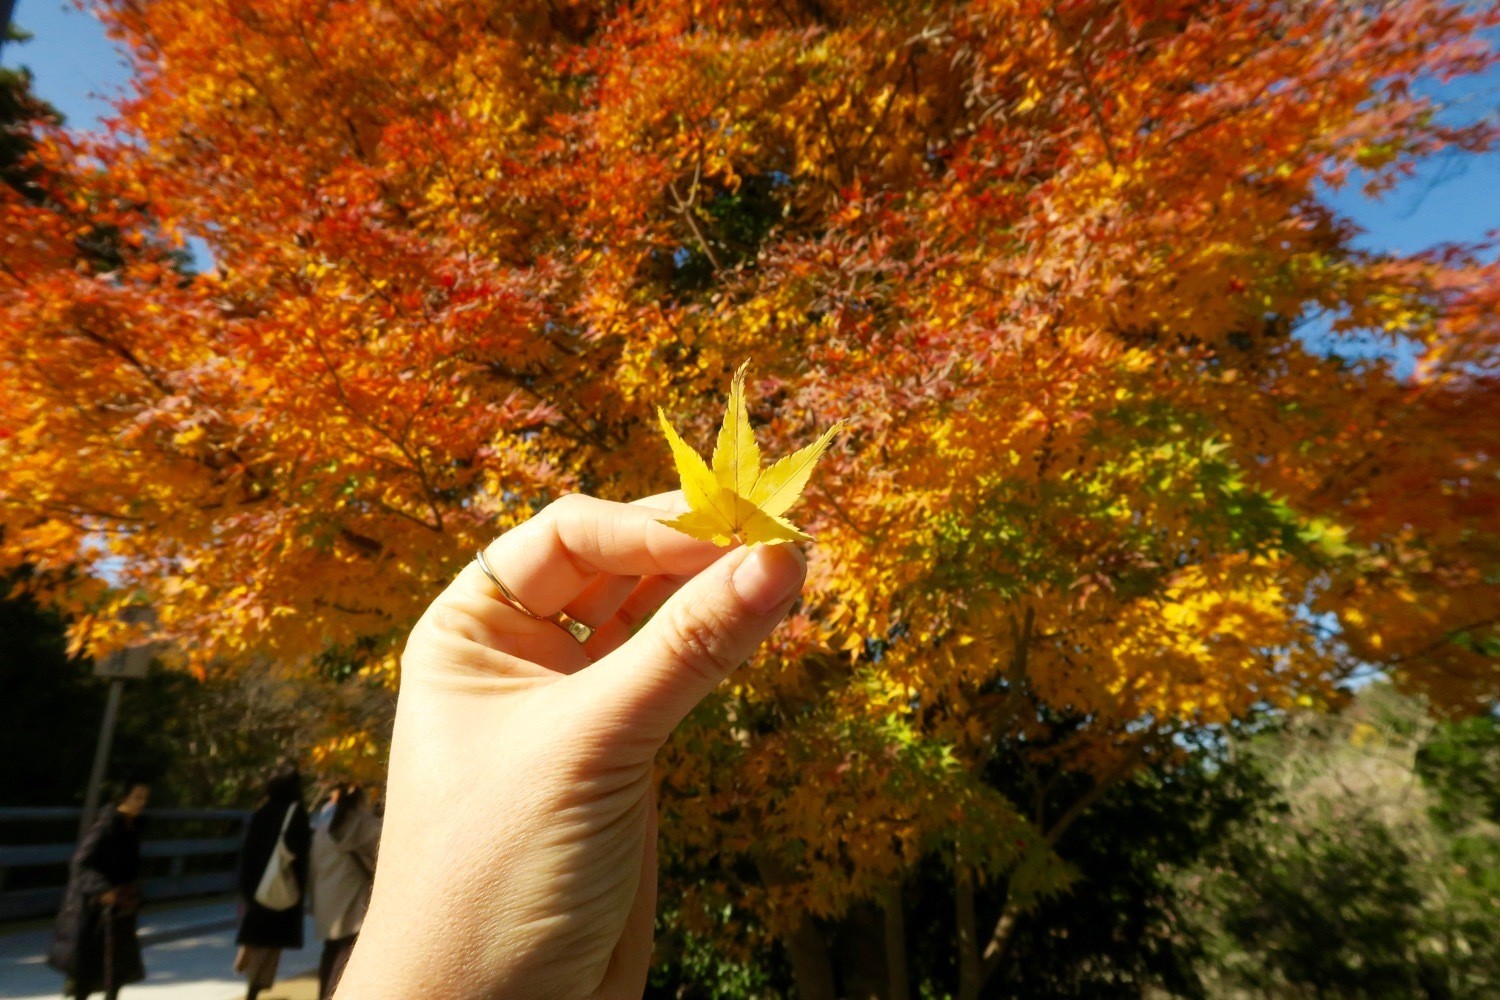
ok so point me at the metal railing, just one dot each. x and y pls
(173, 868)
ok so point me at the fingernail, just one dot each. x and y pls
(768, 576)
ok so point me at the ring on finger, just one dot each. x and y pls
(577, 629)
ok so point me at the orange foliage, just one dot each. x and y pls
(1048, 260)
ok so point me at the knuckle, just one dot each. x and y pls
(565, 505)
(702, 645)
(450, 620)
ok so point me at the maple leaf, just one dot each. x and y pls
(734, 500)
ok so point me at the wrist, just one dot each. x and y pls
(401, 954)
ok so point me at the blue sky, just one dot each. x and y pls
(1455, 198)
(73, 62)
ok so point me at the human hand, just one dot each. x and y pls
(109, 897)
(518, 857)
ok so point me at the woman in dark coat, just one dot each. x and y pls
(95, 945)
(264, 932)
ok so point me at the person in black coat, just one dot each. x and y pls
(265, 932)
(95, 944)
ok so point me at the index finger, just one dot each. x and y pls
(548, 560)
(671, 502)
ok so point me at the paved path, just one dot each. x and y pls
(189, 951)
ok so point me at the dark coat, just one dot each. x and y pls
(259, 926)
(95, 948)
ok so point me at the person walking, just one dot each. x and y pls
(264, 932)
(343, 869)
(95, 944)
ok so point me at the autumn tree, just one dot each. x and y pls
(1051, 261)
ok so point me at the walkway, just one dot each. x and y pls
(189, 951)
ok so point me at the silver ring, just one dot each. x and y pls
(577, 629)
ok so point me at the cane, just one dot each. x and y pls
(109, 949)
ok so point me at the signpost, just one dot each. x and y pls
(133, 662)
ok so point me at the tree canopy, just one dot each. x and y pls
(1055, 263)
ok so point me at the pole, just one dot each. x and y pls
(101, 756)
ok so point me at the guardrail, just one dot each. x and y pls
(34, 869)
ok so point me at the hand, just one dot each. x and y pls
(518, 857)
(109, 897)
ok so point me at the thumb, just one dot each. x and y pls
(707, 629)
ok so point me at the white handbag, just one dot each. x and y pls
(278, 888)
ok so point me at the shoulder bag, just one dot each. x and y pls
(278, 889)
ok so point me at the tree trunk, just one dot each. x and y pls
(811, 968)
(994, 952)
(895, 945)
(860, 948)
(978, 962)
(969, 979)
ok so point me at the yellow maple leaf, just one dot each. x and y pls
(735, 500)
